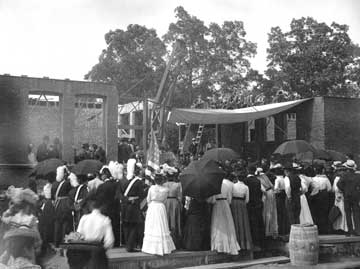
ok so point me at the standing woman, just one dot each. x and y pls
(340, 223)
(269, 211)
(305, 213)
(223, 235)
(157, 239)
(319, 199)
(280, 196)
(173, 205)
(239, 211)
(197, 228)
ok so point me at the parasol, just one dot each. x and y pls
(337, 156)
(202, 179)
(86, 167)
(294, 147)
(221, 154)
(47, 169)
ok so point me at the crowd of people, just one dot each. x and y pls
(126, 203)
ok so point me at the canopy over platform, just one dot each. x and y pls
(225, 116)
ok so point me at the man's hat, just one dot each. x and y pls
(193, 139)
(337, 165)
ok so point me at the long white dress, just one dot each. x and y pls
(157, 239)
(305, 213)
(340, 223)
(223, 235)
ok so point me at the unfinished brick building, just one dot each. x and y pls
(325, 122)
(15, 110)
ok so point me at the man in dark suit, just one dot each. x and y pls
(255, 207)
(131, 214)
(124, 151)
(349, 184)
(193, 147)
(106, 195)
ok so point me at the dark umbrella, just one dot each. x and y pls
(202, 179)
(337, 156)
(221, 154)
(322, 154)
(294, 147)
(47, 169)
(85, 167)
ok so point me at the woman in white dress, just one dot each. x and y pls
(305, 213)
(223, 235)
(340, 223)
(157, 239)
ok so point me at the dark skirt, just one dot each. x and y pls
(197, 227)
(319, 206)
(94, 258)
(46, 222)
(282, 215)
(241, 222)
(173, 211)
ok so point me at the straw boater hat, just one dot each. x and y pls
(350, 164)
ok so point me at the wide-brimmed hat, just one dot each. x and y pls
(276, 166)
(350, 164)
(21, 231)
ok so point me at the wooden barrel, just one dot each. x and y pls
(304, 244)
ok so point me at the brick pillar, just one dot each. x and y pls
(110, 118)
(132, 122)
(68, 123)
(13, 122)
(260, 136)
(280, 127)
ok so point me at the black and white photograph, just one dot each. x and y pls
(168, 134)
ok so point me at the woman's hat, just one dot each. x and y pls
(350, 164)
(20, 195)
(337, 165)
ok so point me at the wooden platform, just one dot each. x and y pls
(243, 264)
(332, 247)
(119, 258)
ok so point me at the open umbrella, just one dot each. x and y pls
(221, 154)
(337, 156)
(294, 147)
(47, 169)
(202, 179)
(85, 167)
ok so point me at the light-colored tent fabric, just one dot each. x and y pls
(225, 116)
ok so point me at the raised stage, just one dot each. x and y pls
(333, 248)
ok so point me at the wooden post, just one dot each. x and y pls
(145, 124)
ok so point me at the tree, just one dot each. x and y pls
(216, 58)
(132, 60)
(311, 59)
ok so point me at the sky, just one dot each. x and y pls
(64, 38)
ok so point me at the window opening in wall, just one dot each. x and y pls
(291, 126)
(251, 131)
(89, 121)
(44, 119)
(270, 129)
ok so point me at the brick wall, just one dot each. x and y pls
(342, 124)
(44, 120)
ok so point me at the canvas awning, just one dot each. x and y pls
(225, 116)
